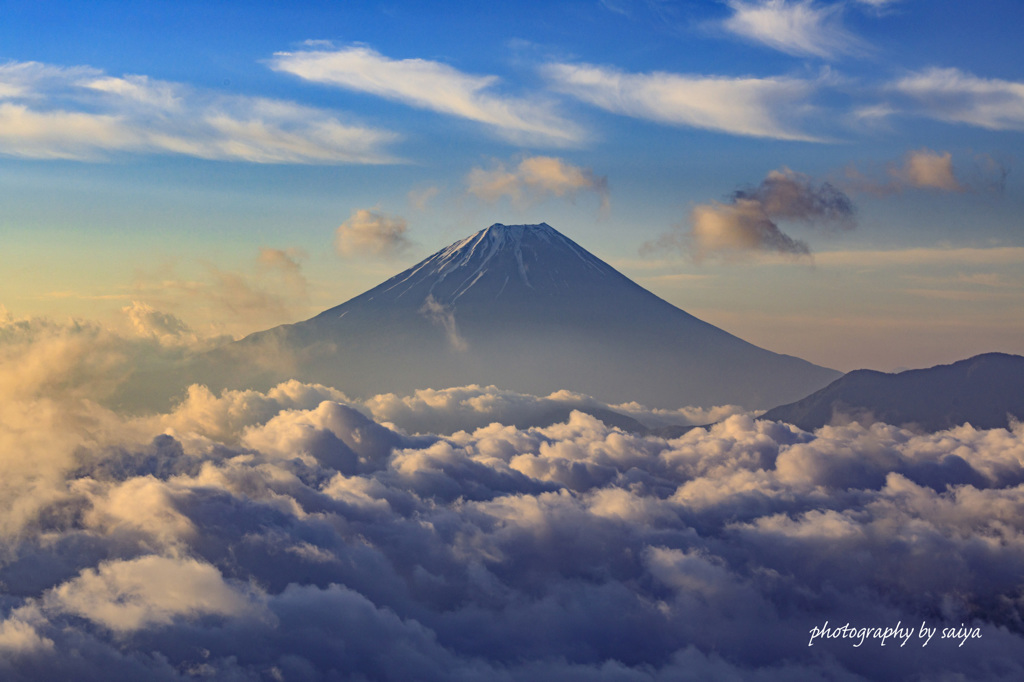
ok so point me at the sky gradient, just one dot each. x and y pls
(832, 180)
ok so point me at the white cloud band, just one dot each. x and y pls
(431, 85)
(740, 106)
(956, 96)
(51, 112)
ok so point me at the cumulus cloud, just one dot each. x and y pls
(149, 322)
(534, 178)
(798, 27)
(956, 96)
(38, 353)
(288, 535)
(742, 226)
(747, 223)
(787, 195)
(54, 112)
(373, 233)
(928, 170)
(18, 636)
(434, 86)
(295, 533)
(151, 590)
(756, 107)
(468, 408)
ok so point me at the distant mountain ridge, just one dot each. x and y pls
(525, 308)
(985, 390)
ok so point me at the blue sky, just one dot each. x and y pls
(244, 164)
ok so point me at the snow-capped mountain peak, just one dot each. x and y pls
(524, 307)
(534, 257)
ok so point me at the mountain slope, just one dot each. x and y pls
(527, 309)
(981, 390)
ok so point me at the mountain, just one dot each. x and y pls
(981, 390)
(527, 309)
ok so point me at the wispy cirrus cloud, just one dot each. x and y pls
(756, 107)
(797, 27)
(434, 86)
(956, 96)
(81, 113)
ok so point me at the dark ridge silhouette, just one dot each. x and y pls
(985, 391)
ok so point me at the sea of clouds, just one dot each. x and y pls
(298, 534)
